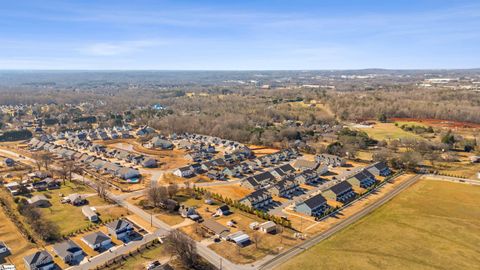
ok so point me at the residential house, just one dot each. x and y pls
(379, 169)
(313, 206)
(282, 171)
(215, 228)
(223, 210)
(186, 171)
(330, 160)
(40, 260)
(127, 173)
(268, 227)
(97, 240)
(121, 228)
(4, 250)
(341, 192)
(39, 201)
(257, 199)
(362, 178)
(307, 177)
(190, 212)
(303, 164)
(284, 188)
(75, 199)
(69, 252)
(149, 163)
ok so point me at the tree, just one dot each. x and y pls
(382, 117)
(184, 248)
(156, 194)
(102, 190)
(448, 138)
(256, 238)
(172, 190)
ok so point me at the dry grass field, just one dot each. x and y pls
(18, 244)
(234, 191)
(387, 131)
(432, 225)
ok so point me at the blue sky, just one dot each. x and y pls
(239, 35)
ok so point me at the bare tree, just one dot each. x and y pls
(257, 237)
(156, 194)
(172, 190)
(184, 248)
(46, 159)
(102, 190)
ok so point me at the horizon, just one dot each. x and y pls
(245, 36)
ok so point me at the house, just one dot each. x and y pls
(257, 199)
(190, 212)
(340, 192)
(313, 206)
(14, 188)
(379, 169)
(215, 174)
(75, 199)
(186, 171)
(223, 210)
(267, 227)
(4, 250)
(97, 240)
(307, 177)
(215, 228)
(240, 238)
(284, 188)
(128, 173)
(303, 164)
(250, 183)
(363, 179)
(39, 201)
(69, 252)
(282, 171)
(330, 160)
(121, 228)
(40, 260)
(89, 214)
(149, 163)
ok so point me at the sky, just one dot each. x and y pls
(239, 35)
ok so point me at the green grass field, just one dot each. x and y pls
(432, 225)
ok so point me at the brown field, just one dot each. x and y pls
(262, 150)
(234, 191)
(18, 244)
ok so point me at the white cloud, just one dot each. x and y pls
(118, 48)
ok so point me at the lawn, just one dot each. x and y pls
(432, 225)
(69, 218)
(140, 261)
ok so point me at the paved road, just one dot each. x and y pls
(283, 257)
